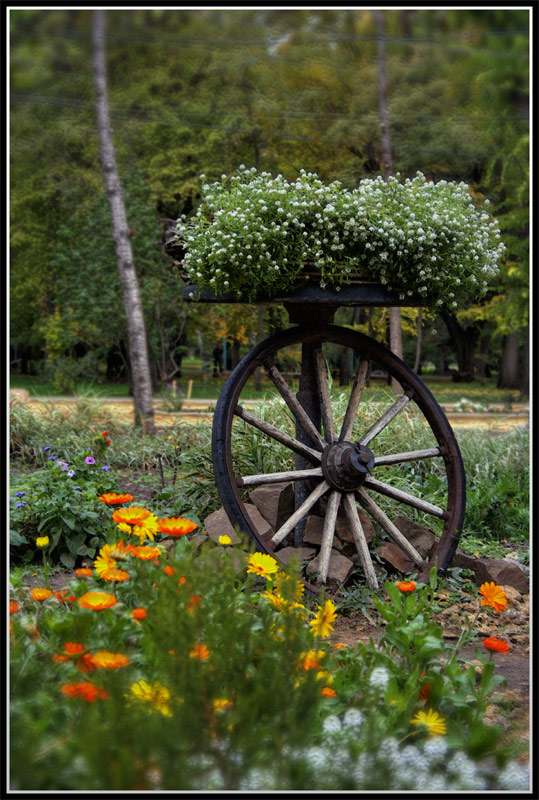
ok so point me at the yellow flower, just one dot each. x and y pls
(107, 660)
(262, 564)
(312, 659)
(225, 539)
(146, 528)
(220, 703)
(322, 623)
(133, 515)
(287, 585)
(42, 541)
(124, 527)
(157, 695)
(434, 723)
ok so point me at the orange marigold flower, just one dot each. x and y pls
(406, 586)
(97, 600)
(139, 613)
(40, 594)
(168, 570)
(194, 600)
(83, 572)
(77, 653)
(106, 660)
(339, 646)
(175, 526)
(497, 645)
(132, 515)
(115, 574)
(311, 660)
(145, 552)
(493, 596)
(182, 580)
(85, 690)
(200, 651)
(13, 606)
(61, 596)
(327, 691)
(114, 499)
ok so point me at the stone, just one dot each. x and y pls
(504, 572)
(423, 539)
(314, 530)
(275, 502)
(217, 524)
(303, 553)
(463, 560)
(345, 534)
(339, 570)
(396, 558)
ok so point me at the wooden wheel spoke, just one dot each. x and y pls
(410, 455)
(325, 398)
(300, 512)
(404, 497)
(293, 404)
(353, 402)
(328, 533)
(400, 403)
(382, 519)
(278, 477)
(280, 436)
(360, 539)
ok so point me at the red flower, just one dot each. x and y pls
(406, 586)
(105, 434)
(86, 690)
(77, 653)
(61, 596)
(424, 692)
(496, 645)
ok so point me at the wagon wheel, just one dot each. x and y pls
(337, 458)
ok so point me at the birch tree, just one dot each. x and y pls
(136, 329)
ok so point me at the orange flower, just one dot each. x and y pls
(497, 645)
(61, 596)
(194, 600)
(40, 594)
(113, 499)
(339, 646)
(182, 580)
(13, 606)
(200, 651)
(106, 660)
(145, 552)
(139, 613)
(175, 526)
(493, 596)
(86, 691)
(77, 653)
(168, 570)
(311, 660)
(424, 692)
(406, 586)
(97, 600)
(327, 691)
(133, 515)
(83, 572)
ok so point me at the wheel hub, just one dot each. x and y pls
(345, 465)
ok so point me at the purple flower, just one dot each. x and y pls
(19, 494)
(105, 468)
(48, 447)
(19, 505)
(52, 458)
(79, 488)
(71, 473)
(62, 464)
(89, 460)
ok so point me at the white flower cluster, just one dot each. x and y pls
(254, 234)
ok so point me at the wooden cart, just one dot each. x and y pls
(338, 468)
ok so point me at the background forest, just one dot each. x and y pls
(196, 92)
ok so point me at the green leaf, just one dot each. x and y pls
(68, 560)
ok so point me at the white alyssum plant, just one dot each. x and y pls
(254, 235)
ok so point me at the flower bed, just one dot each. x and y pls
(209, 669)
(256, 235)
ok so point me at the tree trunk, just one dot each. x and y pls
(525, 380)
(465, 341)
(136, 330)
(419, 342)
(395, 328)
(508, 377)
